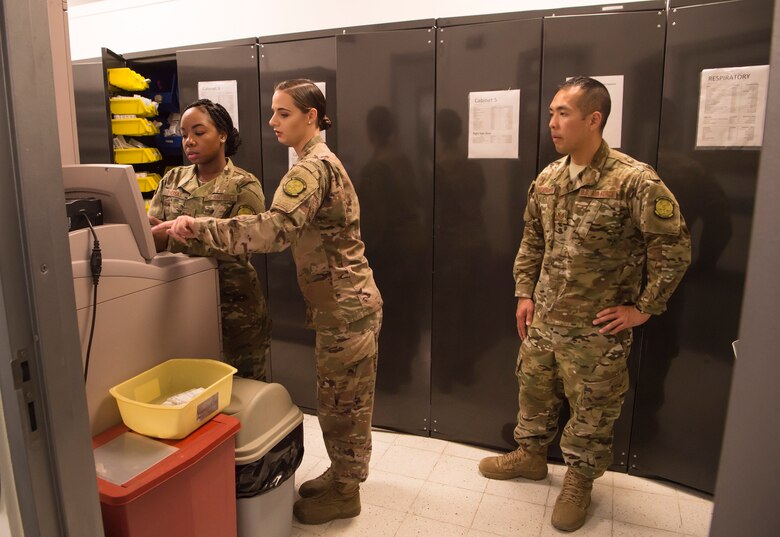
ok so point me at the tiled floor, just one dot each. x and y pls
(422, 487)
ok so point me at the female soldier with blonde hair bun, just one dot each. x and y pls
(315, 212)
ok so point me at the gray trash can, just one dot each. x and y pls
(269, 449)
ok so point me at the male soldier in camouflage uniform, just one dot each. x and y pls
(246, 325)
(594, 220)
(315, 212)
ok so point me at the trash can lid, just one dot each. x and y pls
(267, 414)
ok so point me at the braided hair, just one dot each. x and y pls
(222, 121)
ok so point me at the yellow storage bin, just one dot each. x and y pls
(137, 155)
(133, 127)
(148, 182)
(127, 79)
(135, 106)
(140, 398)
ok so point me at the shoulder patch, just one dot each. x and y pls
(294, 186)
(245, 209)
(664, 207)
(545, 190)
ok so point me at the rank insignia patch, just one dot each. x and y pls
(664, 208)
(294, 187)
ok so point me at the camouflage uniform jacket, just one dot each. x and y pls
(315, 212)
(233, 192)
(587, 240)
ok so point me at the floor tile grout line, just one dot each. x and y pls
(645, 491)
(475, 461)
(516, 499)
(476, 511)
(456, 486)
(612, 510)
(648, 527)
(679, 513)
(401, 526)
(411, 505)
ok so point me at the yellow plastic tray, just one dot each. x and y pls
(137, 155)
(140, 398)
(132, 107)
(148, 183)
(133, 127)
(127, 79)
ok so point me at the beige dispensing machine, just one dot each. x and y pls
(150, 306)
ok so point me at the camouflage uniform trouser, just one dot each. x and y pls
(346, 379)
(589, 369)
(246, 325)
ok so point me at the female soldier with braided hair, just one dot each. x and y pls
(213, 186)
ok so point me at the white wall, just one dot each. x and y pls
(136, 25)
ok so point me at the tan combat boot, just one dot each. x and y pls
(517, 463)
(318, 485)
(338, 501)
(573, 502)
